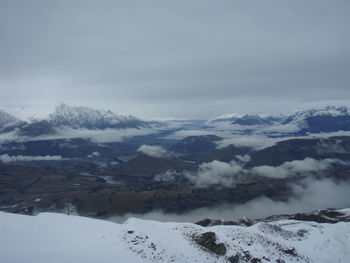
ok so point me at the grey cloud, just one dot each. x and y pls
(295, 167)
(97, 136)
(215, 172)
(253, 141)
(192, 58)
(153, 151)
(229, 174)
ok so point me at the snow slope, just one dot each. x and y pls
(51, 237)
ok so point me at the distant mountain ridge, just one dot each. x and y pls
(248, 119)
(69, 116)
(7, 119)
(328, 119)
(85, 117)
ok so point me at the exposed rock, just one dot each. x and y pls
(255, 260)
(208, 241)
(205, 222)
(245, 221)
(320, 216)
(210, 222)
(233, 259)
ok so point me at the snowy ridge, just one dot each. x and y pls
(327, 111)
(226, 117)
(7, 119)
(328, 119)
(332, 111)
(52, 237)
(86, 117)
(248, 119)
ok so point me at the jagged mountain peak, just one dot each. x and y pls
(79, 116)
(7, 118)
(248, 119)
(332, 111)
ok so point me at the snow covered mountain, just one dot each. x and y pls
(60, 238)
(7, 119)
(248, 119)
(84, 117)
(68, 117)
(328, 119)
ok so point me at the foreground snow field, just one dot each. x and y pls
(51, 237)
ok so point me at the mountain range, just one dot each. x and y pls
(68, 116)
(77, 132)
(328, 119)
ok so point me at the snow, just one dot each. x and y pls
(60, 238)
(50, 237)
(6, 118)
(85, 117)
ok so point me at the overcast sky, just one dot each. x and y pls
(182, 58)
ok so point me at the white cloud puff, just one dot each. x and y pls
(295, 167)
(215, 172)
(153, 151)
(97, 136)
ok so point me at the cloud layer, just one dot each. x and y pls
(308, 196)
(5, 158)
(153, 151)
(228, 174)
(96, 136)
(180, 58)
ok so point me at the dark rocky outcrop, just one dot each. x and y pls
(233, 259)
(210, 222)
(207, 240)
(320, 216)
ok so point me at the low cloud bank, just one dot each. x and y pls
(228, 174)
(179, 135)
(153, 151)
(309, 195)
(98, 136)
(292, 127)
(261, 141)
(5, 158)
(9, 136)
(254, 141)
(212, 173)
(295, 167)
(215, 173)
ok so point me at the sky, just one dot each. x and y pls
(184, 58)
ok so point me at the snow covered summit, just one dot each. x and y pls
(6, 119)
(323, 120)
(85, 117)
(60, 238)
